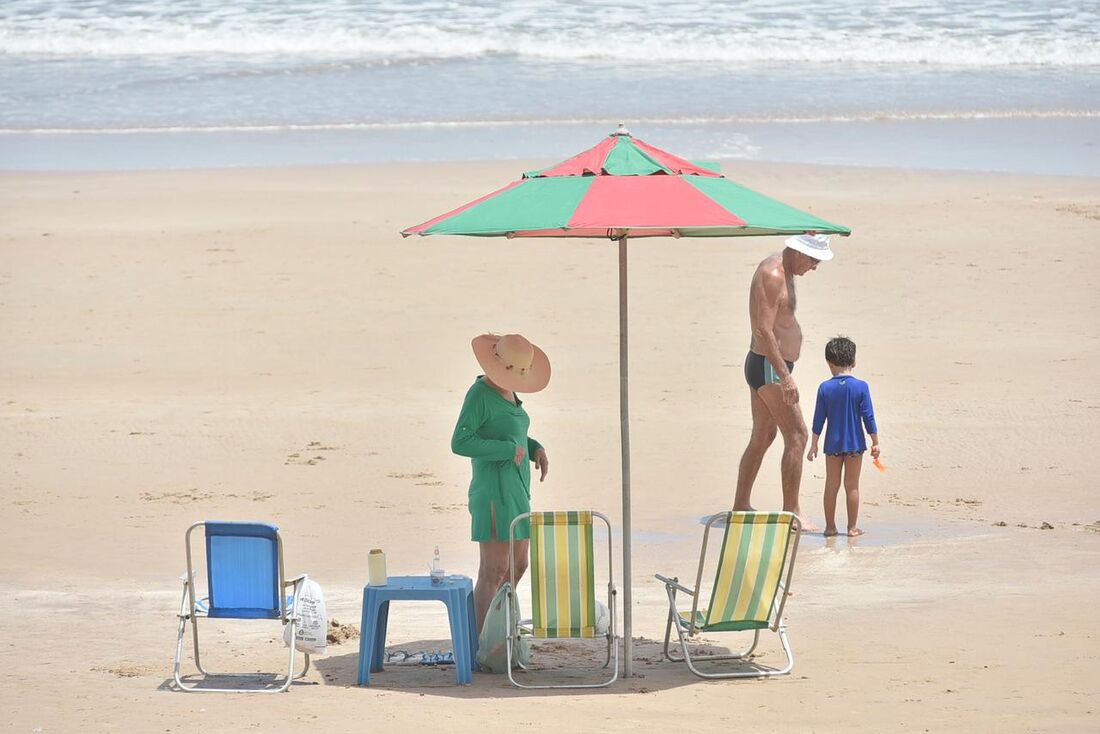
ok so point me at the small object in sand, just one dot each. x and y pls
(878, 464)
(339, 633)
(376, 567)
(401, 657)
(1046, 526)
(437, 658)
(1000, 524)
(436, 569)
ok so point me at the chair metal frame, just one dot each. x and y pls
(191, 611)
(515, 627)
(686, 629)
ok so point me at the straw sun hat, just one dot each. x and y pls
(512, 362)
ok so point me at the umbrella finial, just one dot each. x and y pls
(621, 132)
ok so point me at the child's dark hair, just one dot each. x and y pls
(841, 351)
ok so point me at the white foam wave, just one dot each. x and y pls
(411, 42)
(550, 122)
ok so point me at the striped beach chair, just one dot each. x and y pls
(563, 587)
(751, 585)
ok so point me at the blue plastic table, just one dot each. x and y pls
(456, 592)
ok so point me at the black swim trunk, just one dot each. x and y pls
(759, 371)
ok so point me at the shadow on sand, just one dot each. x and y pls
(652, 672)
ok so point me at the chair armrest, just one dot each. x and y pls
(184, 612)
(290, 602)
(674, 584)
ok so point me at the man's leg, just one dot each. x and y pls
(789, 420)
(834, 466)
(763, 433)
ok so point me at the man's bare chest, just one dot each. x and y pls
(785, 306)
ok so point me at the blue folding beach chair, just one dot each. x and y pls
(246, 580)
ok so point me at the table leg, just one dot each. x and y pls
(366, 639)
(382, 619)
(460, 636)
(475, 633)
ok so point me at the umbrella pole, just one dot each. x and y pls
(624, 427)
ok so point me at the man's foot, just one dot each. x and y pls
(809, 527)
(830, 532)
(853, 532)
(744, 509)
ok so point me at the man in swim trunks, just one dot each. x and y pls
(775, 346)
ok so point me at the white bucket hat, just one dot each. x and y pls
(512, 362)
(814, 245)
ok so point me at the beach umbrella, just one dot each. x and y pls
(619, 189)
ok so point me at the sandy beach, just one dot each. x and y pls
(262, 344)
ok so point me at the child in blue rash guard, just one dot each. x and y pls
(844, 402)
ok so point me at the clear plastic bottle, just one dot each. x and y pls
(437, 568)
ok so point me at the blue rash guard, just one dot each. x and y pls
(844, 401)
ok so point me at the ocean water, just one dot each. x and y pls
(978, 84)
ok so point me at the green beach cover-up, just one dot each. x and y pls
(488, 431)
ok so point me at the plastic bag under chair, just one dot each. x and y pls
(309, 605)
(603, 619)
(492, 651)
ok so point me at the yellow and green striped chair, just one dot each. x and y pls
(563, 586)
(751, 586)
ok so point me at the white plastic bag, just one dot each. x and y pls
(492, 650)
(603, 618)
(309, 606)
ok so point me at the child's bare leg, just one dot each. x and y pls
(833, 467)
(853, 465)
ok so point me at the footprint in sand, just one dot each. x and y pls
(130, 670)
(308, 455)
(1081, 210)
(427, 477)
(447, 508)
(256, 496)
(181, 497)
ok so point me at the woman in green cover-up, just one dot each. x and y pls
(492, 431)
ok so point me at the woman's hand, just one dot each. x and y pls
(542, 463)
(518, 458)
